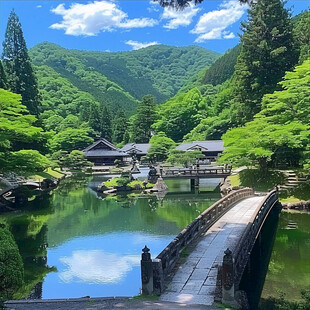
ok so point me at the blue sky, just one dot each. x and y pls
(110, 25)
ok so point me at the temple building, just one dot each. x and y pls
(210, 148)
(102, 152)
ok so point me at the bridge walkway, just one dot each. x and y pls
(195, 280)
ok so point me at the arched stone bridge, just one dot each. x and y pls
(222, 238)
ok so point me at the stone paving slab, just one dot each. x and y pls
(198, 274)
(101, 304)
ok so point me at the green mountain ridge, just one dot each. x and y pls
(119, 79)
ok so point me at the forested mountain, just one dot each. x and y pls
(223, 68)
(119, 79)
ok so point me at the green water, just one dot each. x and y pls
(74, 243)
(289, 267)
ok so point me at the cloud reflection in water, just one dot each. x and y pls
(96, 266)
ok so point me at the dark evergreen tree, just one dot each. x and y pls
(267, 53)
(94, 119)
(120, 126)
(144, 119)
(3, 80)
(302, 35)
(105, 123)
(17, 65)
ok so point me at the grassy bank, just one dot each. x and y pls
(47, 174)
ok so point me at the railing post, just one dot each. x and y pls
(158, 276)
(146, 272)
(228, 277)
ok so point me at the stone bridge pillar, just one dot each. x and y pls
(146, 272)
(228, 275)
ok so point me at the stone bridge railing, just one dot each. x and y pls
(234, 263)
(154, 272)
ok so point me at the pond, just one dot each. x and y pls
(74, 243)
(289, 266)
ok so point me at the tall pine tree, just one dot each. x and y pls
(120, 127)
(3, 80)
(267, 53)
(144, 119)
(105, 123)
(17, 65)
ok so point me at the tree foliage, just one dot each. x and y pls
(71, 139)
(143, 120)
(223, 68)
(302, 36)
(160, 147)
(11, 265)
(120, 127)
(181, 114)
(184, 158)
(267, 52)
(3, 79)
(283, 124)
(16, 130)
(74, 160)
(17, 65)
(119, 80)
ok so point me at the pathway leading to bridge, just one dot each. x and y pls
(195, 280)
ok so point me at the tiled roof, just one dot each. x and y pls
(105, 153)
(141, 148)
(210, 145)
(101, 140)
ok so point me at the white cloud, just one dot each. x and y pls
(137, 45)
(39, 6)
(91, 18)
(179, 18)
(97, 267)
(154, 7)
(212, 25)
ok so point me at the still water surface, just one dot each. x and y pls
(76, 244)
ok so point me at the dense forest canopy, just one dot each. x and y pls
(118, 80)
(159, 93)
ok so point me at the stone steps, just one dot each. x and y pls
(292, 181)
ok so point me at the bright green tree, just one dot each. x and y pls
(179, 115)
(160, 147)
(28, 161)
(143, 120)
(283, 124)
(71, 139)
(15, 126)
(77, 160)
(17, 65)
(267, 52)
(184, 158)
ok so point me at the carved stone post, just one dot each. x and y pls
(158, 276)
(146, 272)
(228, 288)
